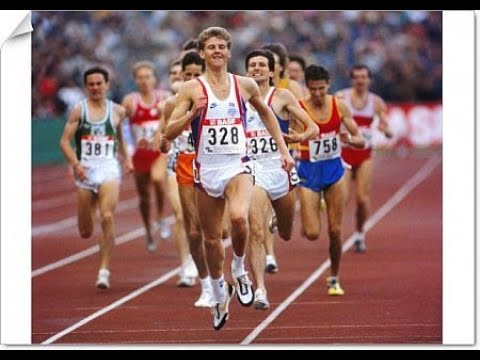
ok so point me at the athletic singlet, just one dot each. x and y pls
(363, 117)
(326, 145)
(96, 141)
(219, 131)
(261, 145)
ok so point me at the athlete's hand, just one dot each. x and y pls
(287, 162)
(386, 131)
(80, 172)
(198, 105)
(293, 137)
(128, 165)
(345, 137)
(165, 145)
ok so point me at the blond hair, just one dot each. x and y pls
(214, 31)
(142, 64)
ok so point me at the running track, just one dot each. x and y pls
(393, 292)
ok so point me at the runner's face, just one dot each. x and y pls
(175, 74)
(216, 52)
(360, 80)
(192, 71)
(278, 67)
(295, 71)
(145, 79)
(96, 86)
(318, 89)
(258, 69)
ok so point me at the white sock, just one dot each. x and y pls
(238, 267)
(359, 235)
(219, 290)
(206, 284)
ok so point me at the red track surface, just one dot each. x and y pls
(393, 292)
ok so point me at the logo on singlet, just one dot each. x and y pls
(98, 130)
(213, 105)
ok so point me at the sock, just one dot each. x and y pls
(333, 279)
(359, 235)
(238, 267)
(206, 283)
(219, 290)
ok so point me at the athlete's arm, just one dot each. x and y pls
(167, 109)
(268, 117)
(293, 107)
(68, 132)
(353, 137)
(121, 113)
(181, 117)
(296, 89)
(127, 103)
(381, 110)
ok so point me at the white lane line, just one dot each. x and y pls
(72, 221)
(93, 249)
(119, 302)
(406, 188)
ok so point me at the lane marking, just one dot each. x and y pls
(94, 249)
(119, 302)
(393, 201)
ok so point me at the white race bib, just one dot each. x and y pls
(223, 139)
(185, 142)
(262, 147)
(325, 148)
(367, 135)
(145, 131)
(98, 148)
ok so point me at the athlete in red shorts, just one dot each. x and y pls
(364, 106)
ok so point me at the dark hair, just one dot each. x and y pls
(266, 54)
(298, 59)
(281, 51)
(96, 70)
(316, 72)
(360, 67)
(190, 44)
(175, 63)
(192, 58)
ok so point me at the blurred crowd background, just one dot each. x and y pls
(402, 48)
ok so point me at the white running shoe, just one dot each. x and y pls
(205, 300)
(190, 269)
(186, 281)
(271, 265)
(150, 244)
(164, 229)
(103, 279)
(261, 300)
(220, 311)
(244, 288)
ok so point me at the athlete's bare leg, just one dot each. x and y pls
(107, 200)
(268, 236)
(309, 212)
(285, 210)
(142, 180)
(258, 225)
(335, 198)
(239, 194)
(192, 227)
(349, 179)
(86, 205)
(181, 242)
(159, 178)
(363, 180)
(211, 223)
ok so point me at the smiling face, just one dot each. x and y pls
(258, 69)
(96, 86)
(215, 53)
